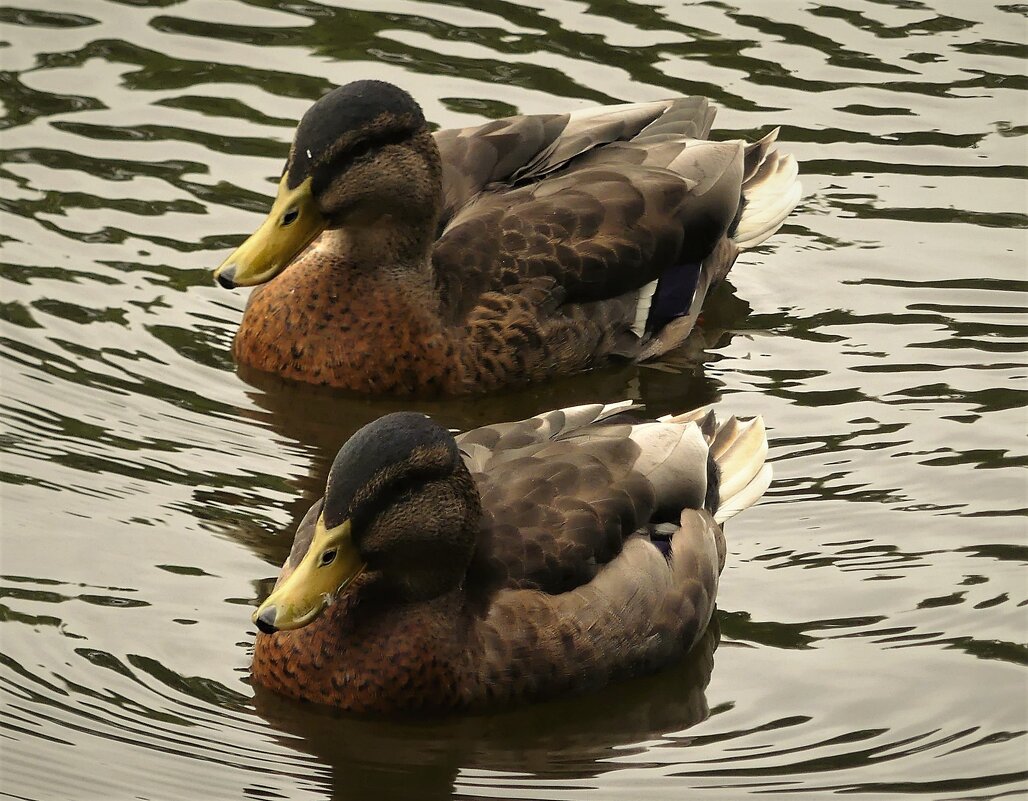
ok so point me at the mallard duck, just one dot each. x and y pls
(398, 261)
(512, 563)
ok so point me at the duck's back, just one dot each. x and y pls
(601, 544)
(524, 148)
(600, 231)
(524, 198)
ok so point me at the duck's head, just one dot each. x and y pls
(399, 504)
(362, 152)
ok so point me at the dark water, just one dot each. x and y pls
(871, 628)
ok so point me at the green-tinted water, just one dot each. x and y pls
(871, 623)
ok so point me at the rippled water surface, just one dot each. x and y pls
(871, 632)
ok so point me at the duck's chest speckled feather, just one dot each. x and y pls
(348, 329)
(364, 658)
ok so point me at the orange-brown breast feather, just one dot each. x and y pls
(295, 327)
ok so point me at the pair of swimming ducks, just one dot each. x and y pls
(520, 560)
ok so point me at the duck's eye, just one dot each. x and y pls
(359, 151)
(289, 217)
(328, 557)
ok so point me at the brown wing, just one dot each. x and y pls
(555, 515)
(562, 492)
(639, 612)
(473, 158)
(551, 518)
(646, 605)
(491, 444)
(628, 193)
(527, 147)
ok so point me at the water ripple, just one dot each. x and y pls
(148, 489)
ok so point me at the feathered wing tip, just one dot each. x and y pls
(591, 128)
(771, 190)
(482, 445)
(695, 416)
(563, 422)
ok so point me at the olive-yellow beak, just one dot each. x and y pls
(292, 224)
(329, 566)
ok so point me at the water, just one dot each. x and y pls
(871, 635)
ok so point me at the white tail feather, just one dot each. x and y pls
(739, 450)
(771, 194)
(747, 496)
(742, 460)
(642, 308)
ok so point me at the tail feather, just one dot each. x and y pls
(725, 436)
(746, 497)
(771, 191)
(739, 449)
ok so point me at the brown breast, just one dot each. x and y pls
(355, 330)
(364, 657)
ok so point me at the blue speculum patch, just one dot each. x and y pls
(674, 295)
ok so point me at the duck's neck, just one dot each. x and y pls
(387, 249)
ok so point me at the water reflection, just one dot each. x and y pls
(872, 607)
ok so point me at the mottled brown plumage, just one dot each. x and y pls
(546, 556)
(501, 254)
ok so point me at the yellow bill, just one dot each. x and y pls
(329, 566)
(292, 224)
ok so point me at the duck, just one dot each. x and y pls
(513, 563)
(398, 261)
